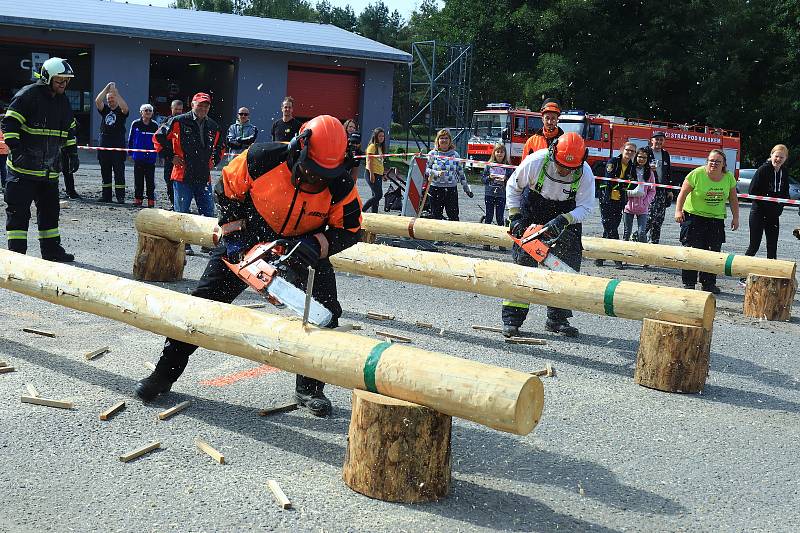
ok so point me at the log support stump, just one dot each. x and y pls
(672, 357)
(369, 237)
(397, 451)
(769, 298)
(158, 259)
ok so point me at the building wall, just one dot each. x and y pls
(260, 84)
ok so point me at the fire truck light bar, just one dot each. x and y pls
(499, 105)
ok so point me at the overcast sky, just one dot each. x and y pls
(403, 6)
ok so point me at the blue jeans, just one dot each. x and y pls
(641, 224)
(201, 192)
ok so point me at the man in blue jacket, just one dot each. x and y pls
(144, 163)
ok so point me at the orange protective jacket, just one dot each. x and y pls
(257, 187)
(540, 140)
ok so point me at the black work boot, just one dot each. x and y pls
(148, 388)
(562, 327)
(308, 393)
(53, 251)
(510, 331)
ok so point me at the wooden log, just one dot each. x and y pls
(206, 448)
(111, 411)
(41, 332)
(46, 402)
(163, 415)
(503, 280)
(158, 259)
(769, 298)
(397, 451)
(130, 456)
(500, 398)
(672, 357)
(392, 336)
(278, 493)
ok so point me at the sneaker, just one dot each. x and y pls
(562, 327)
(73, 195)
(148, 388)
(598, 262)
(105, 200)
(743, 282)
(137, 202)
(713, 289)
(510, 331)
(315, 401)
(151, 203)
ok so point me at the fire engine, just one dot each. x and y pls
(688, 145)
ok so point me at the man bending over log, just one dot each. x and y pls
(302, 193)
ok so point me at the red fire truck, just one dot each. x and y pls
(688, 145)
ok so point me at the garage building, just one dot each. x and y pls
(159, 54)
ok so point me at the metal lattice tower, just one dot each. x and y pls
(438, 95)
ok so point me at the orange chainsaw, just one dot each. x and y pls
(266, 268)
(536, 242)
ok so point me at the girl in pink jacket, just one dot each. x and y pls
(639, 199)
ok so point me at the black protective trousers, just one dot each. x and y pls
(168, 181)
(611, 216)
(144, 174)
(220, 284)
(112, 163)
(706, 234)
(443, 199)
(655, 217)
(539, 210)
(19, 195)
(764, 219)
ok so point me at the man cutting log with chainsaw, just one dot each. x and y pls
(283, 212)
(549, 195)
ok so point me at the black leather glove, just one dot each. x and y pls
(74, 162)
(557, 225)
(517, 225)
(308, 250)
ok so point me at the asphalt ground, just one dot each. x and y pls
(608, 454)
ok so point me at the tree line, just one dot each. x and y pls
(727, 63)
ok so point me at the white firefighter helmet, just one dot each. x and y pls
(55, 66)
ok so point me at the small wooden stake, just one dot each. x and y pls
(283, 501)
(424, 325)
(525, 340)
(487, 328)
(6, 369)
(254, 306)
(32, 390)
(47, 402)
(379, 316)
(3, 363)
(280, 409)
(39, 332)
(393, 336)
(130, 456)
(163, 415)
(94, 353)
(150, 365)
(111, 411)
(206, 447)
(548, 371)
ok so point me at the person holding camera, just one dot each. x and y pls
(354, 151)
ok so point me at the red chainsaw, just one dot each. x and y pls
(266, 268)
(536, 242)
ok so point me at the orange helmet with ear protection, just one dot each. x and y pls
(569, 150)
(324, 140)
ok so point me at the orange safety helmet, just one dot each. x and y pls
(569, 150)
(550, 105)
(323, 144)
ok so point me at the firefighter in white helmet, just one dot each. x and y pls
(553, 187)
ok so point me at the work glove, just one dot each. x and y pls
(517, 226)
(74, 162)
(308, 250)
(468, 190)
(556, 226)
(235, 248)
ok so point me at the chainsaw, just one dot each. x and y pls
(266, 268)
(536, 242)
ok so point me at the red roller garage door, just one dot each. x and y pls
(324, 91)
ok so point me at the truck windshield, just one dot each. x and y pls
(488, 125)
(577, 127)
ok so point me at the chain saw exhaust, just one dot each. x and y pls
(266, 268)
(536, 242)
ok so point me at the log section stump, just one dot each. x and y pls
(158, 259)
(768, 297)
(672, 357)
(397, 451)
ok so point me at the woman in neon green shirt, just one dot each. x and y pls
(700, 210)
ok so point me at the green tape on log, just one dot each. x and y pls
(371, 364)
(608, 297)
(729, 265)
